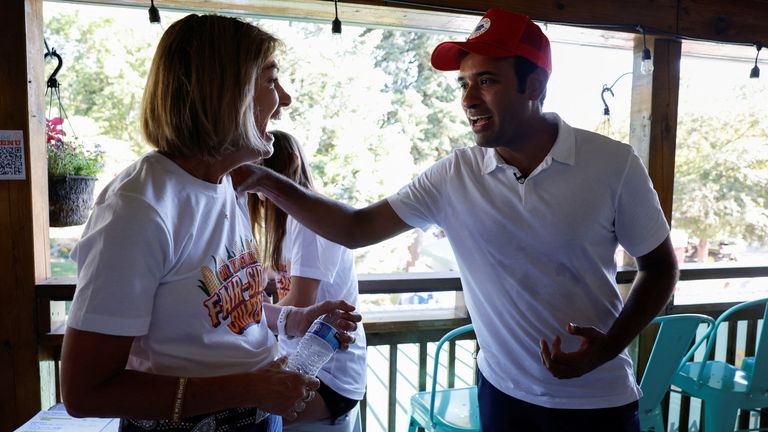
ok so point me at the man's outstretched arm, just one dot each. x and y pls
(336, 221)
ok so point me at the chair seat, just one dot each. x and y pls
(717, 376)
(455, 409)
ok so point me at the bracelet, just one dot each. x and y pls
(282, 319)
(178, 401)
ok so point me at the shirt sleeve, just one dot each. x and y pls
(121, 260)
(418, 203)
(311, 255)
(640, 224)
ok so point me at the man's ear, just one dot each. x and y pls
(537, 85)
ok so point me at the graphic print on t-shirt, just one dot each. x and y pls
(283, 280)
(234, 286)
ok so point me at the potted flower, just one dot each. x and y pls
(72, 171)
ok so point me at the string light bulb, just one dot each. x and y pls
(755, 72)
(336, 24)
(154, 13)
(646, 67)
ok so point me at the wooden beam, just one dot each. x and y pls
(640, 105)
(715, 20)
(653, 126)
(725, 21)
(653, 118)
(315, 10)
(664, 101)
(23, 223)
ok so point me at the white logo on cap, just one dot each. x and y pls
(480, 28)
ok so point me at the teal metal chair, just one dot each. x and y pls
(449, 410)
(723, 387)
(673, 341)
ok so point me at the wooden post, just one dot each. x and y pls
(23, 211)
(653, 128)
(666, 86)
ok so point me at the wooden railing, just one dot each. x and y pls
(390, 331)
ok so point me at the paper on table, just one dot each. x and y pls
(56, 419)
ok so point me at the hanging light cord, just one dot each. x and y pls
(336, 24)
(755, 72)
(154, 13)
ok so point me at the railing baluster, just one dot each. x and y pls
(423, 366)
(451, 363)
(730, 347)
(364, 411)
(685, 412)
(749, 350)
(392, 408)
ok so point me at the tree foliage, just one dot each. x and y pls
(721, 177)
(103, 73)
(418, 88)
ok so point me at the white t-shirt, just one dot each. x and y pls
(170, 259)
(308, 255)
(536, 256)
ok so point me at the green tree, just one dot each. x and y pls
(103, 73)
(721, 178)
(438, 126)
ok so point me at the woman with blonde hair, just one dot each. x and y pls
(309, 269)
(167, 329)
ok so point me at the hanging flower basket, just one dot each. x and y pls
(72, 173)
(70, 199)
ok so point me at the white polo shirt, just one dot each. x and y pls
(535, 256)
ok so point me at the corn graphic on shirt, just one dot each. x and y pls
(170, 259)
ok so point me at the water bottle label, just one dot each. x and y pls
(327, 333)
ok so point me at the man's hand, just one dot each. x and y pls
(245, 178)
(593, 352)
(300, 319)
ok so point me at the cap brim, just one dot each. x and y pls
(447, 56)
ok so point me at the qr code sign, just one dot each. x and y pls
(11, 155)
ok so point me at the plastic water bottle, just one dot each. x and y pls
(316, 347)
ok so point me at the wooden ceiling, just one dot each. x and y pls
(741, 22)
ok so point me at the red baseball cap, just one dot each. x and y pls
(499, 33)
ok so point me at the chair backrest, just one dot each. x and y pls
(759, 380)
(448, 336)
(672, 343)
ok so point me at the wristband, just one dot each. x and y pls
(178, 401)
(282, 319)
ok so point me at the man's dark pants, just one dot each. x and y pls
(500, 412)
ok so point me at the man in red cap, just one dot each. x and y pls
(534, 213)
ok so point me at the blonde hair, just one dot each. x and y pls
(198, 101)
(269, 220)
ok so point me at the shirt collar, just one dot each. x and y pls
(564, 149)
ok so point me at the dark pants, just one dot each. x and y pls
(500, 412)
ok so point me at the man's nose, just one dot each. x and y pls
(470, 98)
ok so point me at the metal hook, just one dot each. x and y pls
(606, 89)
(609, 89)
(52, 82)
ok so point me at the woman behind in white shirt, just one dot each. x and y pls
(309, 269)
